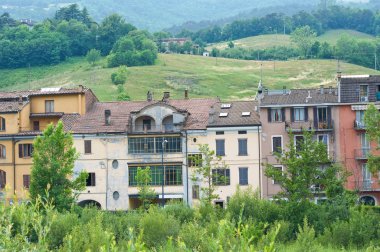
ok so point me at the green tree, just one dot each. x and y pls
(306, 164)
(304, 37)
(231, 44)
(205, 173)
(372, 123)
(120, 76)
(52, 170)
(93, 56)
(144, 180)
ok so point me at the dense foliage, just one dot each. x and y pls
(53, 165)
(248, 224)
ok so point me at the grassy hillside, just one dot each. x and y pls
(270, 40)
(226, 78)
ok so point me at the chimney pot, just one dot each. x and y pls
(107, 115)
(149, 96)
(166, 96)
(284, 89)
(20, 100)
(186, 94)
(322, 90)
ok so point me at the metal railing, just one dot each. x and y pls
(362, 153)
(359, 125)
(309, 125)
(161, 128)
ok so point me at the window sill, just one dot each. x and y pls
(26, 157)
(88, 153)
(242, 155)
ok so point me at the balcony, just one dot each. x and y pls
(308, 125)
(359, 125)
(378, 96)
(367, 185)
(150, 129)
(362, 153)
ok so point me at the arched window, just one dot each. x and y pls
(2, 151)
(2, 124)
(3, 179)
(368, 200)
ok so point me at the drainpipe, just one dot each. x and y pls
(187, 171)
(259, 145)
(14, 163)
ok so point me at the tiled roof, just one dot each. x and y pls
(69, 120)
(94, 122)
(11, 106)
(300, 96)
(235, 115)
(17, 94)
(351, 79)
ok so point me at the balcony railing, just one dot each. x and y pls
(165, 128)
(358, 125)
(309, 125)
(367, 184)
(362, 153)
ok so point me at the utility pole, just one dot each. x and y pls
(375, 61)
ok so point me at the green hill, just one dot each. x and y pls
(203, 76)
(271, 40)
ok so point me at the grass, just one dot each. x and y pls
(271, 40)
(203, 76)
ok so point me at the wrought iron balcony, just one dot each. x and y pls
(358, 125)
(367, 185)
(298, 126)
(362, 153)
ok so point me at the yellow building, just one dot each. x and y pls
(23, 115)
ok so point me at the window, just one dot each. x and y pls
(26, 181)
(278, 167)
(145, 145)
(220, 147)
(276, 115)
(2, 151)
(173, 175)
(221, 177)
(322, 115)
(219, 133)
(25, 150)
(115, 195)
(299, 114)
(49, 106)
(367, 177)
(115, 164)
(363, 93)
(243, 176)
(90, 181)
(3, 179)
(147, 124)
(325, 140)
(36, 125)
(195, 190)
(277, 144)
(242, 132)
(359, 123)
(2, 124)
(87, 146)
(243, 147)
(194, 160)
(298, 141)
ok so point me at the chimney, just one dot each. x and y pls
(338, 75)
(284, 90)
(266, 91)
(322, 90)
(20, 100)
(107, 116)
(81, 88)
(166, 96)
(149, 96)
(330, 89)
(186, 94)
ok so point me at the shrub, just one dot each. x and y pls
(306, 237)
(61, 227)
(157, 227)
(120, 223)
(180, 211)
(120, 76)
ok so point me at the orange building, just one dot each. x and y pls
(355, 92)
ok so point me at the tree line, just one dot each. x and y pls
(71, 32)
(320, 20)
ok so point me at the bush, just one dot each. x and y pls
(120, 223)
(119, 77)
(61, 227)
(180, 211)
(157, 227)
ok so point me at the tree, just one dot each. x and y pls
(306, 165)
(119, 77)
(93, 56)
(372, 123)
(231, 44)
(144, 180)
(206, 173)
(52, 170)
(304, 37)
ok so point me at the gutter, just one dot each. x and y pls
(187, 171)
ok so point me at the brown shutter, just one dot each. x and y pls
(283, 114)
(292, 114)
(87, 146)
(269, 115)
(306, 114)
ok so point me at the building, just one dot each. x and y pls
(294, 111)
(355, 92)
(23, 115)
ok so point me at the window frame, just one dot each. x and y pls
(279, 115)
(26, 181)
(282, 143)
(49, 106)
(195, 192)
(3, 151)
(25, 148)
(221, 172)
(194, 159)
(360, 92)
(241, 180)
(2, 124)
(295, 141)
(300, 110)
(223, 153)
(171, 171)
(277, 166)
(327, 141)
(240, 150)
(87, 147)
(3, 179)
(91, 179)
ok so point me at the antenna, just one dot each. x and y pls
(261, 71)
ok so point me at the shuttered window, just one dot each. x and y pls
(243, 147)
(25, 150)
(87, 146)
(26, 181)
(277, 144)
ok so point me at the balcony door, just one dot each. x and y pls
(364, 142)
